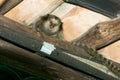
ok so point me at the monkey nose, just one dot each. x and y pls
(51, 26)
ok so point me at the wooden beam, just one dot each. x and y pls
(102, 34)
(26, 38)
(29, 11)
(77, 20)
(37, 65)
(8, 5)
(99, 7)
(2, 2)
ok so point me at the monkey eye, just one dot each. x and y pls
(55, 25)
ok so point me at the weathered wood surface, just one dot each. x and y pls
(77, 21)
(112, 51)
(102, 34)
(110, 9)
(37, 65)
(30, 10)
(14, 52)
(2, 2)
(31, 32)
(19, 34)
(8, 5)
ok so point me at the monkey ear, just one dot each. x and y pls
(47, 15)
(61, 26)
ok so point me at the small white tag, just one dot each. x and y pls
(47, 48)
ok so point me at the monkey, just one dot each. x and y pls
(50, 25)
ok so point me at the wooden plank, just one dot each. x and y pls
(30, 10)
(110, 9)
(112, 51)
(37, 65)
(14, 32)
(12, 25)
(2, 2)
(70, 14)
(8, 5)
(63, 9)
(76, 22)
(79, 20)
(102, 34)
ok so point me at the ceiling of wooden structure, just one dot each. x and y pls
(76, 19)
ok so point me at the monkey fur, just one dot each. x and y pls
(50, 25)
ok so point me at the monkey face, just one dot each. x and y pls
(49, 24)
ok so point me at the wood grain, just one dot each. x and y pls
(37, 65)
(77, 21)
(23, 37)
(2, 2)
(102, 34)
(29, 10)
(8, 5)
(30, 60)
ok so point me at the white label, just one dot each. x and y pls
(47, 48)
